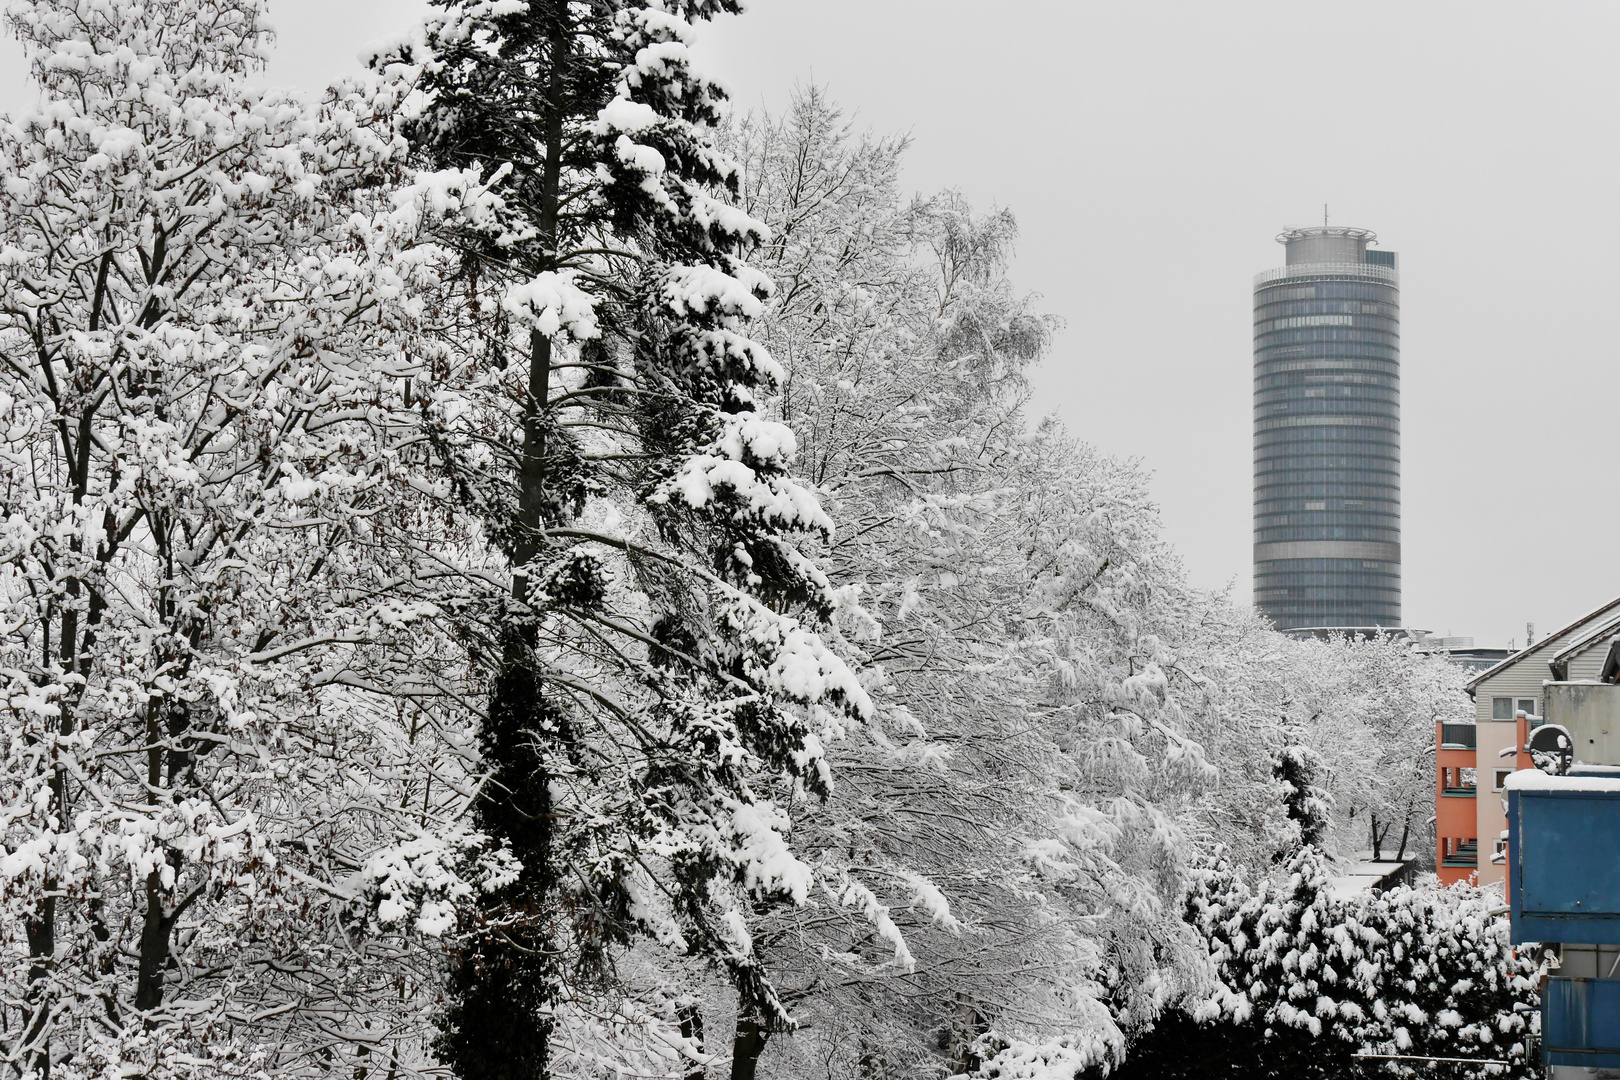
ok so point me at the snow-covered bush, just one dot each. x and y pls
(1307, 980)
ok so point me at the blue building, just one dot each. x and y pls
(1327, 458)
(1563, 863)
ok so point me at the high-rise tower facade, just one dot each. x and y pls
(1327, 440)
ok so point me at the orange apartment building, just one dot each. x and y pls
(1459, 763)
(1456, 790)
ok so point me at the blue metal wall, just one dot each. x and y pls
(1564, 882)
(1564, 866)
(1580, 1023)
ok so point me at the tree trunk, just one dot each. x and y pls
(154, 947)
(690, 1014)
(531, 466)
(40, 924)
(746, 1047)
(531, 479)
(498, 1027)
(41, 930)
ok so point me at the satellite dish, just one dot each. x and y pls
(1551, 749)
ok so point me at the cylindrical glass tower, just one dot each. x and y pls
(1327, 443)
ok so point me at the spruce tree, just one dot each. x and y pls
(658, 685)
(1297, 769)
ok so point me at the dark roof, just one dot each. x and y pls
(1611, 662)
(1580, 643)
(1545, 642)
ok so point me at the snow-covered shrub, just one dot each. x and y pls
(1307, 980)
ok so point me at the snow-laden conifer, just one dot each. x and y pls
(660, 687)
(1298, 770)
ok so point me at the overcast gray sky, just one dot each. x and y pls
(1152, 150)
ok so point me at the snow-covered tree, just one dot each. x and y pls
(1298, 770)
(206, 302)
(1366, 707)
(1014, 812)
(418, 598)
(1308, 980)
(1042, 658)
(1400, 694)
(1362, 709)
(658, 689)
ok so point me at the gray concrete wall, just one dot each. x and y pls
(1590, 712)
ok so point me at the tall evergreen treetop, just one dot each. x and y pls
(659, 686)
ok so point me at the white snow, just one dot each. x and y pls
(710, 290)
(552, 303)
(622, 114)
(638, 157)
(760, 849)
(1536, 780)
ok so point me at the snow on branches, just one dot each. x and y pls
(1306, 979)
(471, 548)
(209, 307)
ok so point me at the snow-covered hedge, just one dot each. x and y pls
(1307, 981)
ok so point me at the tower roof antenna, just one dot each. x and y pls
(1324, 215)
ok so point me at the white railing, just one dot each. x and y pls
(1346, 269)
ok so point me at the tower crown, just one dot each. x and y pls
(1326, 244)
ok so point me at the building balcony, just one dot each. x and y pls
(1458, 737)
(1466, 855)
(1385, 274)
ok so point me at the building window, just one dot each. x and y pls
(1526, 705)
(1501, 708)
(1501, 777)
